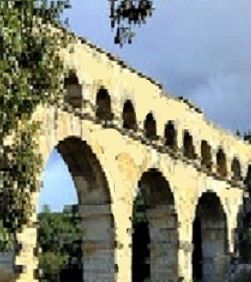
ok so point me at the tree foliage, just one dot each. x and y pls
(125, 14)
(31, 69)
(59, 238)
(139, 209)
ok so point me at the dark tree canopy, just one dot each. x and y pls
(30, 68)
(59, 240)
(125, 14)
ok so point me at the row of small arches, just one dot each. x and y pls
(103, 111)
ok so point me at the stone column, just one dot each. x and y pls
(214, 251)
(98, 243)
(123, 223)
(185, 248)
(163, 243)
(26, 262)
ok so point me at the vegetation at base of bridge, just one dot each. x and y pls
(59, 240)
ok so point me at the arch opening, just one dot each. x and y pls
(73, 91)
(188, 147)
(210, 245)
(140, 241)
(58, 219)
(159, 249)
(242, 245)
(236, 169)
(129, 116)
(150, 127)
(206, 156)
(247, 180)
(170, 135)
(96, 223)
(221, 161)
(103, 105)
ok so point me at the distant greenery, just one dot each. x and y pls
(59, 237)
(139, 210)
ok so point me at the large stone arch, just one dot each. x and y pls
(95, 206)
(210, 258)
(95, 209)
(162, 225)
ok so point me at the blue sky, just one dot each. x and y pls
(199, 49)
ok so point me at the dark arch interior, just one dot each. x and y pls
(206, 156)
(236, 170)
(73, 95)
(247, 180)
(188, 147)
(82, 162)
(155, 189)
(103, 105)
(151, 230)
(150, 126)
(209, 239)
(141, 241)
(94, 197)
(221, 163)
(170, 135)
(242, 244)
(58, 219)
(129, 116)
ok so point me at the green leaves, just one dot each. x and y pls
(6, 239)
(31, 71)
(59, 237)
(139, 209)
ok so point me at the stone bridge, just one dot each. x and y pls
(122, 135)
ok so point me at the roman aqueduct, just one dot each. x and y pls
(121, 134)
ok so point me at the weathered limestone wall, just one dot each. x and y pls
(164, 243)
(98, 243)
(215, 260)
